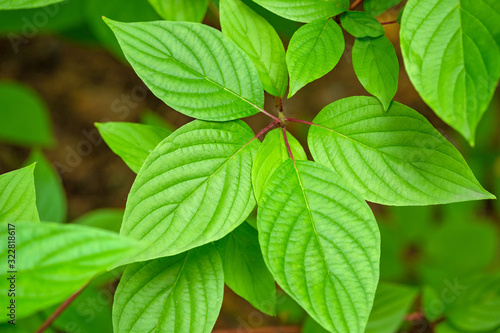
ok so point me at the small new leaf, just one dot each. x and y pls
(194, 188)
(259, 40)
(181, 10)
(314, 51)
(18, 196)
(179, 294)
(305, 10)
(193, 68)
(321, 243)
(244, 269)
(393, 158)
(132, 142)
(271, 154)
(376, 65)
(361, 24)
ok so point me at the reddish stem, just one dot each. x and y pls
(60, 309)
(301, 121)
(355, 4)
(288, 145)
(414, 316)
(270, 329)
(389, 22)
(266, 129)
(269, 115)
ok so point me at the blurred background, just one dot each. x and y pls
(61, 71)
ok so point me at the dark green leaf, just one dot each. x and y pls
(321, 243)
(259, 40)
(21, 4)
(50, 196)
(451, 51)
(132, 142)
(394, 157)
(193, 68)
(106, 218)
(194, 188)
(361, 24)
(24, 117)
(180, 294)
(244, 269)
(376, 65)
(432, 304)
(18, 196)
(377, 7)
(314, 51)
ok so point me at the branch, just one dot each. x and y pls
(61, 309)
(288, 145)
(355, 4)
(269, 329)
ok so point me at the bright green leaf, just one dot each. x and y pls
(376, 65)
(193, 68)
(361, 24)
(271, 154)
(377, 7)
(477, 308)
(180, 294)
(18, 196)
(21, 4)
(305, 10)
(451, 51)
(321, 243)
(244, 269)
(181, 10)
(24, 117)
(259, 40)
(54, 260)
(123, 11)
(314, 51)
(194, 188)
(50, 196)
(392, 303)
(106, 218)
(394, 157)
(132, 142)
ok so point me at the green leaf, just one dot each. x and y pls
(259, 40)
(377, 7)
(193, 68)
(24, 117)
(244, 269)
(54, 260)
(124, 11)
(181, 10)
(21, 4)
(451, 50)
(18, 196)
(194, 188)
(477, 307)
(361, 24)
(376, 65)
(271, 154)
(148, 117)
(432, 304)
(305, 10)
(392, 303)
(314, 51)
(50, 196)
(106, 218)
(321, 243)
(394, 157)
(132, 142)
(311, 326)
(180, 294)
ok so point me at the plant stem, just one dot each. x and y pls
(269, 115)
(288, 144)
(355, 4)
(301, 121)
(266, 129)
(269, 329)
(389, 22)
(60, 309)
